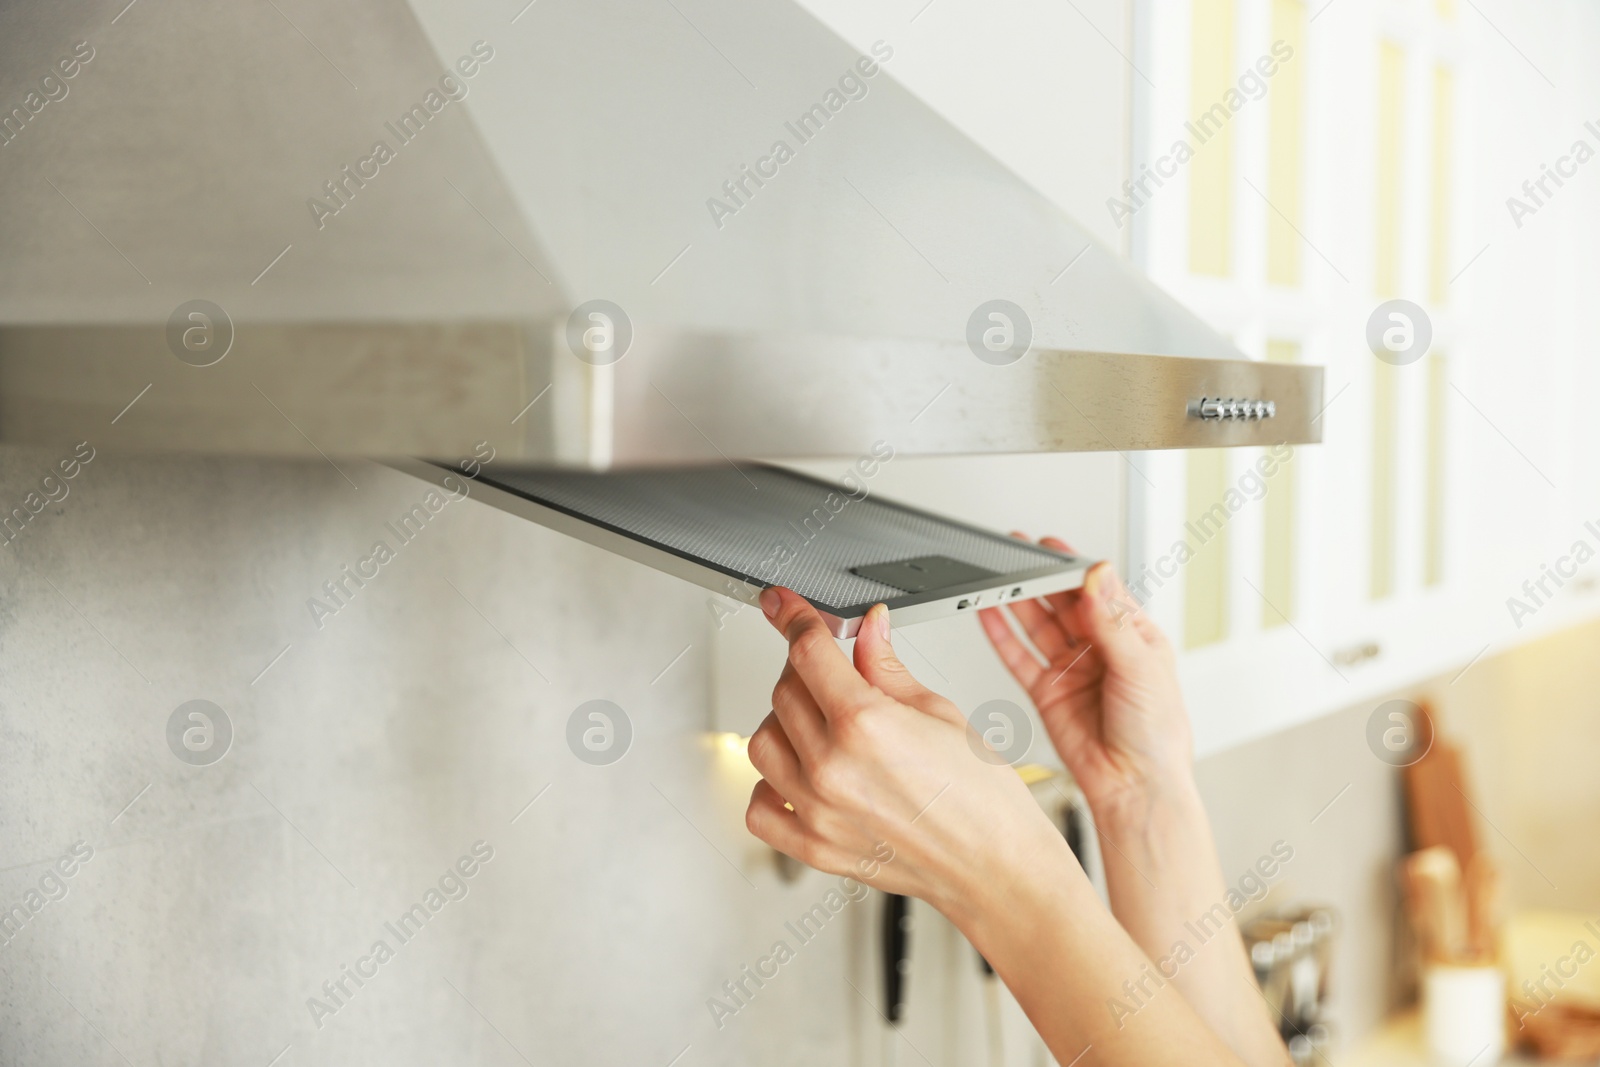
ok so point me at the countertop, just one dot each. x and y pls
(1399, 1043)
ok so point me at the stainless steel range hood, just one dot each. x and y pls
(800, 300)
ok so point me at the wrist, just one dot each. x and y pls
(1010, 882)
(1172, 804)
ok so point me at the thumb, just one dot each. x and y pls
(876, 660)
(1106, 611)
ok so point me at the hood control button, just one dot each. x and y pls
(1232, 408)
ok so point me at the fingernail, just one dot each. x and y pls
(883, 621)
(1094, 581)
(770, 601)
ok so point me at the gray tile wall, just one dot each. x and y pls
(420, 719)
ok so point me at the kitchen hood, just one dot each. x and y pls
(611, 233)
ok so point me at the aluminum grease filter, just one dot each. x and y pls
(778, 527)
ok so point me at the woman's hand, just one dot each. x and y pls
(1107, 690)
(1108, 694)
(856, 757)
(864, 755)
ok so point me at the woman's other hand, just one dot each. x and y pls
(1106, 689)
(1108, 694)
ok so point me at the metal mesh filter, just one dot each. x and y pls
(771, 525)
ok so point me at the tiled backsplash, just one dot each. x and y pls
(227, 909)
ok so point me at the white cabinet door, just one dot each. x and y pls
(1375, 165)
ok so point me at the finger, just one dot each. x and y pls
(1155, 637)
(1042, 628)
(774, 757)
(1148, 630)
(776, 825)
(881, 666)
(834, 683)
(1063, 602)
(1050, 542)
(799, 716)
(876, 660)
(1023, 665)
(1065, 605)
(802, 720)
(1104, 611)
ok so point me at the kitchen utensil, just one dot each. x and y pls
(896, 942)
(1563, 1032)
(995, 1042)
(1435, 903)
(1485, 908)
(1464, 1015)
(1438, 799)
(1291, 952)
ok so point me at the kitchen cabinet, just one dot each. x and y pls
(1359, 156)
(1371, 164)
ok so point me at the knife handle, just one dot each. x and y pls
(896, 955)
